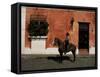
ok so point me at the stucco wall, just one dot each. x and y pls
(59, 23)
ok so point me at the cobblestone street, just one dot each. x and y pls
(39, 62)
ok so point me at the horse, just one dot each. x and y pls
(61, 48)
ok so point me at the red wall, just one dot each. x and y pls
(59, 23)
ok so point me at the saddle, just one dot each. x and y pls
(66, 46)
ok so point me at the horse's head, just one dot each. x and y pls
(55, 42)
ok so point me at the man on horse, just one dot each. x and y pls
(65, 46)
(66, 41)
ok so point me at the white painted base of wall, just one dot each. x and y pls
(92, 50)
(51, 51)
(46, 51)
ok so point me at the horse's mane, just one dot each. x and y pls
(59, 41)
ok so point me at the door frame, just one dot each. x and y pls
(79, 36)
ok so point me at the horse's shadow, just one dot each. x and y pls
(58, 59)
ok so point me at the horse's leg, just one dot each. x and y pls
(61, 56)
(73, 52)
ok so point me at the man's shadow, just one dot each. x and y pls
(58, 59)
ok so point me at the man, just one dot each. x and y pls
(67, 41)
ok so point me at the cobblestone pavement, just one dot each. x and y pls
(39, 62)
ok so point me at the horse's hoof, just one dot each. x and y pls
(73, 60)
